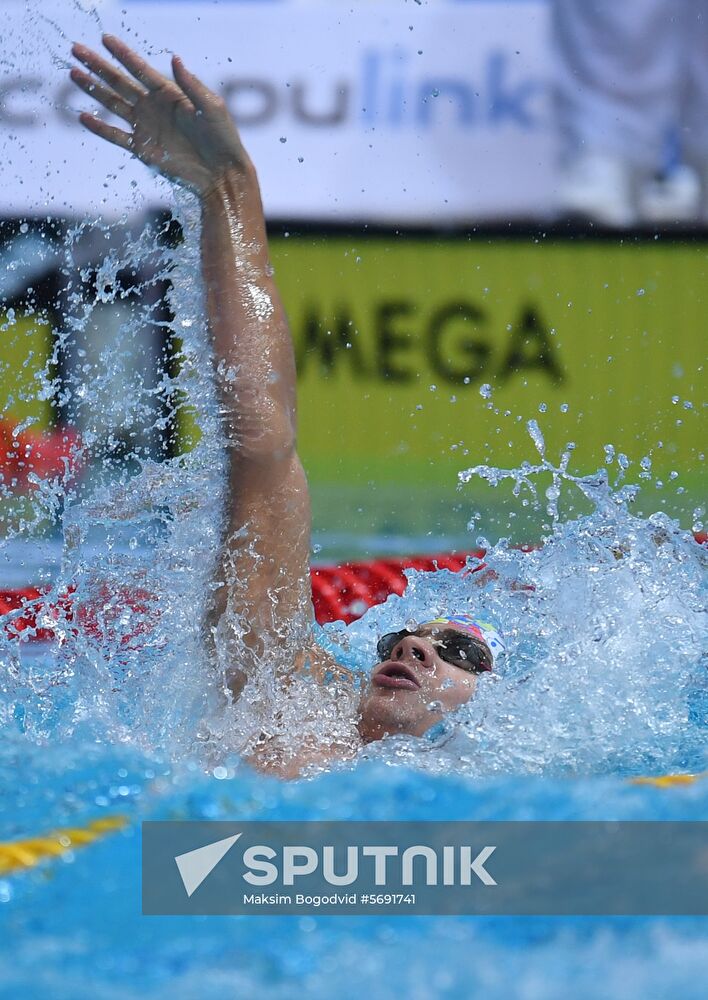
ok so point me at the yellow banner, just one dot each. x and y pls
(25, 348)
(602, 342)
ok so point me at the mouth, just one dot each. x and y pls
(396, 675)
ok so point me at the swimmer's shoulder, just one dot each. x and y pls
(324, 667)
(289, 764)
(289, 757)
(314, 662)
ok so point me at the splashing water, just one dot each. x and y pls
(606, 634)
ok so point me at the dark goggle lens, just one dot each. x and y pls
(463, 652)
(388, 642)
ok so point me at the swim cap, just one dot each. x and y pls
(484, 631)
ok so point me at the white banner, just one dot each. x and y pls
(405, 111)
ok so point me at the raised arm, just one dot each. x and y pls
(184, 130)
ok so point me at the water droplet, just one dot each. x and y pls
(485, 390)
(536, 436)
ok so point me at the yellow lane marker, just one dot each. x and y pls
(16, 855)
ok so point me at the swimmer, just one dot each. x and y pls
(180, 128)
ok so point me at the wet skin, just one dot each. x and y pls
(400, 689)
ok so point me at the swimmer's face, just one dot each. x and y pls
(402, 687)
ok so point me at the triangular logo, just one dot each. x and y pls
(194, 866)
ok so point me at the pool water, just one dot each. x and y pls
(73, 928)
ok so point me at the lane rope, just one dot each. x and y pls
(18, 855)
(669, 780)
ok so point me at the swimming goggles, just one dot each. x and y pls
(465, 651)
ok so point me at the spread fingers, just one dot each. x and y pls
(104, 95)
(119, 82)
(140, 69)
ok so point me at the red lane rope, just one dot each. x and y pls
(339, 593)
(345, 592)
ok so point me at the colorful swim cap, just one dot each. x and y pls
(485, 631)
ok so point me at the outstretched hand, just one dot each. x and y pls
(177, 126)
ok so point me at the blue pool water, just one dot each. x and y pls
(76, 928)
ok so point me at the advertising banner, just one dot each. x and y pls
(403, 111)
(419, 353)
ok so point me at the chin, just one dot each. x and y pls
(381, 717)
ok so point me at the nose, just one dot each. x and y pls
(413, 648)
